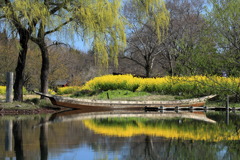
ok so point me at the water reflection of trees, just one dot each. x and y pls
(27, 144)
(18, 140)
(150, 147)
(56, 137)
(43, 140)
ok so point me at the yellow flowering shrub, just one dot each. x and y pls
(50, 91)
(2, 89)
(193, 85)
(112, 82)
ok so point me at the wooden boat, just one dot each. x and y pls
(110, 104)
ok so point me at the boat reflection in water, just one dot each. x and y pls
(108, 134)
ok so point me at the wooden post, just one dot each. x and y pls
(9, 87)
(227, 110)
(161, 108)
(205, 108)
(176, 109)
(227, 103)
(191, 108)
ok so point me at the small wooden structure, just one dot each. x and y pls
(191, 108)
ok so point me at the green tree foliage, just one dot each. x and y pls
(223, 16)
(94, 19)
(188, 48)
(197, 55)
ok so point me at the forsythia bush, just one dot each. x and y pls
(194, 85)
(112, 82)
(2, 89)
(50, 91)
(68, 90)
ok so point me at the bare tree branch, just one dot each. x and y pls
(58, 27)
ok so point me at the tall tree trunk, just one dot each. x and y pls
(40, 41)
(148, 70)
(170, 71)
(45, 67)
(18, 85)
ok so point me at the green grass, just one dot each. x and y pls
(122, 95)
(111, 94)
(28, 104)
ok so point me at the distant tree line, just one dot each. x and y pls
(65, 63)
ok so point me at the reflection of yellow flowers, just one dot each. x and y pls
(199, 133)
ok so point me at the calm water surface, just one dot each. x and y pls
(121, 135)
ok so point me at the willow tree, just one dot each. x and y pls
(21, 17)
(98, 20)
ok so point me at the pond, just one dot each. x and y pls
(121, 135)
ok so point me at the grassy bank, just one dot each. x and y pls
(30, 102)
(123, 95)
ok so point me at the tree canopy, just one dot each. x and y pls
(224, 18)
(97, 20)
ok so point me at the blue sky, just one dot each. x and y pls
(76, 43)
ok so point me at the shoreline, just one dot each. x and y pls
(16, 111)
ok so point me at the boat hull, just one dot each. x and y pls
(108, 104)
(79, 105)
